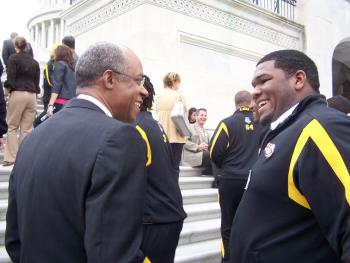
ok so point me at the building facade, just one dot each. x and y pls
(213, 44)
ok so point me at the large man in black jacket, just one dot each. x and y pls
(297, 204)
(77, 189)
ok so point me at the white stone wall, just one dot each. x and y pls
(326, 23)
(213, 45)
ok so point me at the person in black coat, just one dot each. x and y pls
(79, 197)
(3, 123)
(234, 149)
(47, 86)
(164, 213)
(8, 48)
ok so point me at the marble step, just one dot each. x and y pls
(196, 196)
(3, 190)
(198, 231)
(2, 233)
(4, 258)
(195, 212)
(185, 172)
(193, 182)
(208, 251)
(192, 232)
(3, 209)
(5, 173)
(189, 171)
(204, 211)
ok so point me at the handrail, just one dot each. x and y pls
(285, 8)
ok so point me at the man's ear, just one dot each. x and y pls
(108, 79)
(300, 80)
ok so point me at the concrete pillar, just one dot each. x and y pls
(43, 35)
(31, 35)
(37, 38)
(51, 32)
(62, 30)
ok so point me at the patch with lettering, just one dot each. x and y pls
(269, 149)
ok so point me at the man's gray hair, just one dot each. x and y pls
(97, 59)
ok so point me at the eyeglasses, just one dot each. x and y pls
(139, 80)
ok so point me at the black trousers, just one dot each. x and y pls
(230, 194)
(160, 241)
(176, 148)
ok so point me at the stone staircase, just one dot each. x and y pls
(200, 240)
(200, 237)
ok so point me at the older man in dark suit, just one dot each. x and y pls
(77, 189)
(8, 48)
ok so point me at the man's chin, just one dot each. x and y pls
(264, 120)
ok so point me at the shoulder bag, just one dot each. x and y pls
(179, 118)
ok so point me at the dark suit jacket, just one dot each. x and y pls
(8, 48)
(76, 192)
(3, 123)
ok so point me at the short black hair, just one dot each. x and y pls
(148, 101)
(69, 41)
(339, 103)
(290, 61)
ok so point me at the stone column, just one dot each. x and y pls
(31, 35)
(51, 32)
(62, 29)
(37, 38)
(43, 35)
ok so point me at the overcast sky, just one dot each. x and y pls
(14, 17)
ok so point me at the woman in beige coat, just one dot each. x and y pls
(165, 102)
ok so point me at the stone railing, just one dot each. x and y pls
(285, 8)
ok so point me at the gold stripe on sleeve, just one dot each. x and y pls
(145, 138)
(47, 75)
(320, 137)
(222, 127)
(146, 260)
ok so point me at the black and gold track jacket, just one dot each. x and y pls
(235, 143)
(163, 195)
(297, 204)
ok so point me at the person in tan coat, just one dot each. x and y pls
(196, 151)
(165, 102)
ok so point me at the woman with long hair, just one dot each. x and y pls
(63, 79)
(192, 114)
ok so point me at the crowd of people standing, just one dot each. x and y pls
(275, 158)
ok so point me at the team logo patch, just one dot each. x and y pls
(247, 120)
(269, 149)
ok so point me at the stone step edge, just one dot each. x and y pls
(197, 251)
